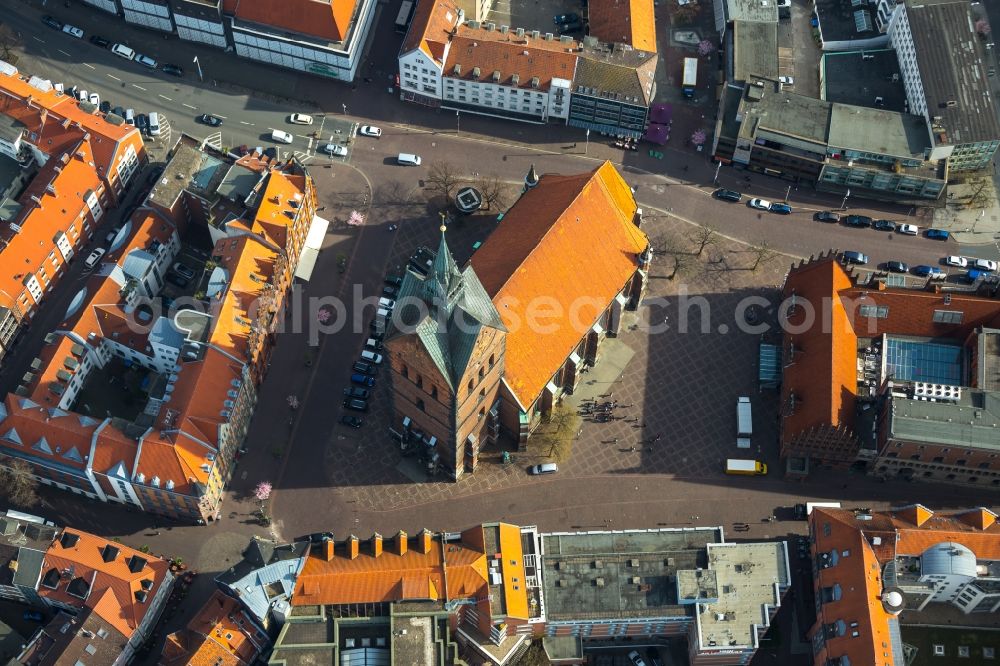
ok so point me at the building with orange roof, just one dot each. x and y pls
(899, 381)
(200, 361)
(876, 571)
(457, 55)
(110, 595)
(223, 633)
(469, 358)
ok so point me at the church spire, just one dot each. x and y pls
(445, 278)
(531, 179)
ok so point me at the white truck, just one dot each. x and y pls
(744, 422)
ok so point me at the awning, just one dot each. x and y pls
(312, 247)
(769, 366)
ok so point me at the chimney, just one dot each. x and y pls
(426, 538)
(352, 547)
(401, 542)
(328, 545)
(376, 544)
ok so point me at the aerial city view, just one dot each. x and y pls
(499, 333)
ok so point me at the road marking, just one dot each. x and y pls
(64, 53)
(223, 117)
(243, 122)
(189, 106)
(165, 97)
(139, 87)
(114, 77)
(88, 65)
(38, 40)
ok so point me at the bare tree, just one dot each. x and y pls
(495, 192)
(8, 42)
(981, 194)
(703, 237)
(443, 178)
(680, 259)
(555, 437)
(18, 482)
(762, 253)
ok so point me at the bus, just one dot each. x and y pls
(404, 17)
(690, 76)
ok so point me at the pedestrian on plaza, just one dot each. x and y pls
(657, 438)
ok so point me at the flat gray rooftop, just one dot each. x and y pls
(858, 77)
(949, 57)
(417, 645)
(752, 10)
(867, 130)
(589, 575)
(988, 359)
(189, 169)
(972, 422)
(755, 50)
(837, 20)
(788, 117)
(750, 579)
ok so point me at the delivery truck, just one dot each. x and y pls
(690, 76)
(751, 467)
(744, 422)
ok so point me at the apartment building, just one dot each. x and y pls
(487, 371)
(902, 382)
(108, 599)
(876, 572)
(172, 453)
(221, 633)
(459, 57)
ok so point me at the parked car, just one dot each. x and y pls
(145, 61)
(858, 221)
(177, 280)
(356, 405)
(142, 121)
(907, 229)
(355, 392)
(544, 468)
(93, 258)
(111, 235)
(884, 225)
(184, 270)
(567, 28)
(94, 99)
(52, 22)
(800, 512)
(335, 149)
(853, 257)
(937, 234)
(73, 30)
(727, 195)
(300, 119)
(394, 280)
(781, 208)
(279, 136)
(32, 616)
(97, 40)
(562, 19)
(987, 265)
(897, 267)
(172, 70)
(369, 130)
(954, 260)
(105, 107)
(373, 343)
(209, 119)
(759, 204)
(351, 421)
(635, 658)
(389, 292)
(827, 216)
(118, 111)
(365, 368)
(972, 275)
(932, 272)
(362, 380)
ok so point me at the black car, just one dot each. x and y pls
(389, 292)
(858, 221)
(884, 225)
(142, 121)
(727, 195)
(118, 111)
(568, 28)
(897, 267)
(351, 421)
(799, 512)
(356, 405)
(355, 392)
(177, 280)
(105, 107)
(365, 368)
(97, 40)
(52, 22)
(827, 216)
(173, 70)
(210, 120)
(394, 280)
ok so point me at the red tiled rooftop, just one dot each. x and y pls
(327, 19)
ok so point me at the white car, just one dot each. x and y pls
(760, 204)
(369, 130)
(81, 95)
(960, 262)
(635, 658)
(279, 136)
(95, 99)
(335, 149)
(93, 258)
(73, 30)
(300, 119)
(786, 80)
(985, 265)
(908, 229)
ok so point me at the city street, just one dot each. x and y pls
(673, 192)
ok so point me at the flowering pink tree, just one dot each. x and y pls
(983, 27)
(705, 47)
(263, 491)
(699, 137)
(323, 316)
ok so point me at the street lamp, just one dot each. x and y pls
(787, 193)
(198, 62)
(458, 122)
(715, 179)
(843, 204)
(586, 149)
(344, 107)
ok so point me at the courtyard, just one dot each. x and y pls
(118, 390)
